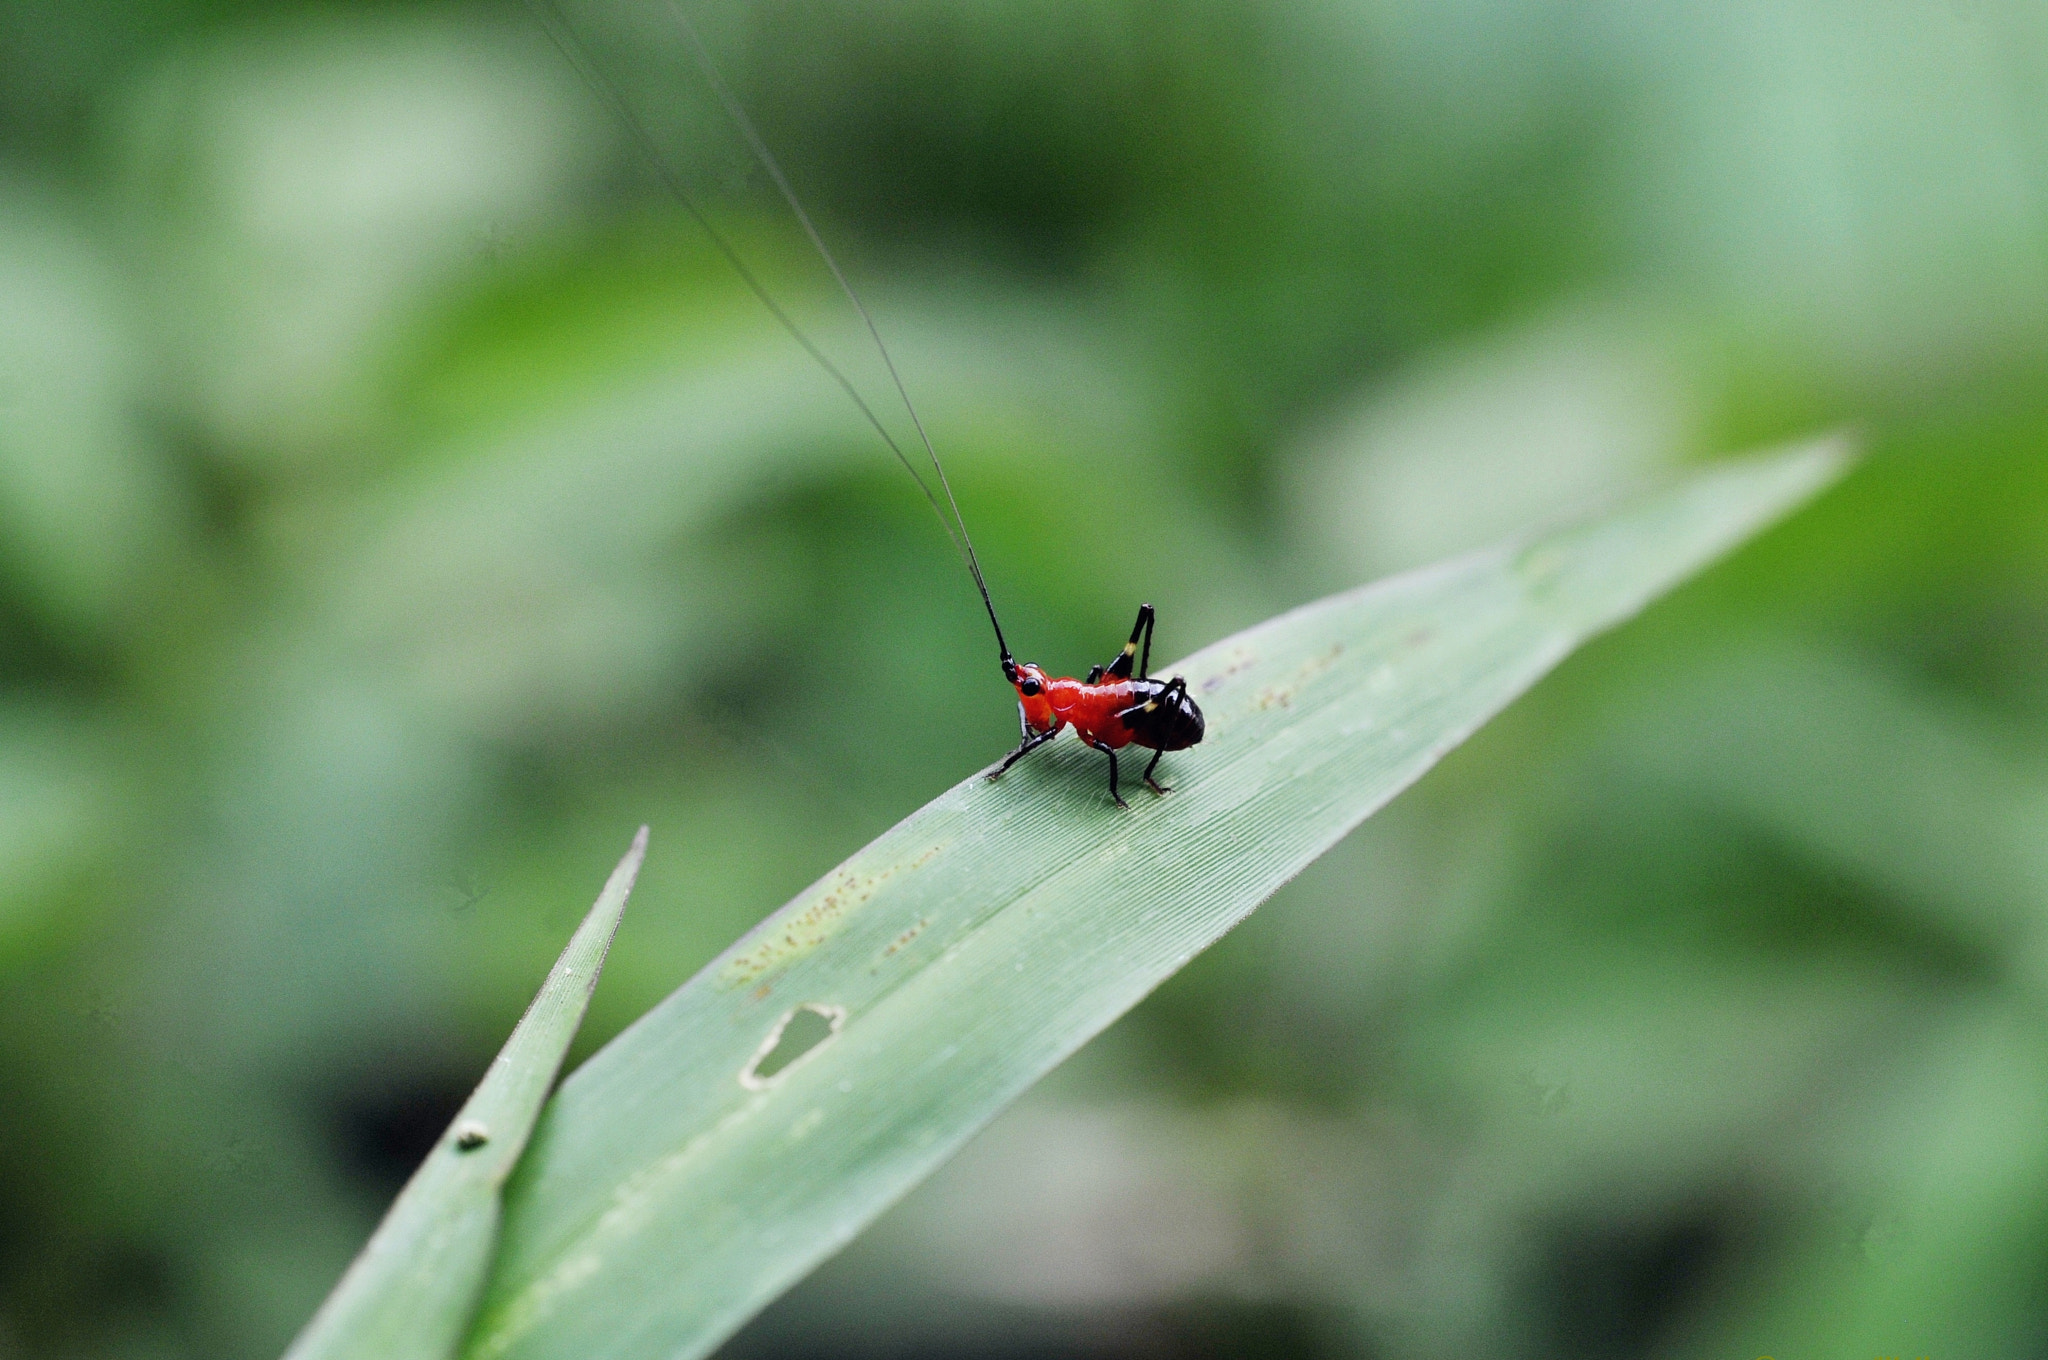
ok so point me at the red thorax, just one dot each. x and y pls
(1050, 704)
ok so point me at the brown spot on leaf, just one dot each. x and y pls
(1282, 695)
(1239, 659)
(802, 926)
(907, 936)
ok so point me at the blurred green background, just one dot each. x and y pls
(400, 501)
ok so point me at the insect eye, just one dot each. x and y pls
(1030, 687)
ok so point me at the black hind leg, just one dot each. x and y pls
(1120, 666)
(1152, 783)
(1111, 753)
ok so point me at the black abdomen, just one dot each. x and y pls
(1165, 718)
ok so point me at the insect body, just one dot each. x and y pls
(1109, 710)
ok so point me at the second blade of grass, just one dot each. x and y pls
(409, 1294)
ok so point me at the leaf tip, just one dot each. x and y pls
(629, 866)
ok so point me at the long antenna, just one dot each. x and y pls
(563, 35)
(559, 31)
(747, 129)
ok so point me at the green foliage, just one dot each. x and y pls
(409, 1295)
(397, 499)
(682, 1179)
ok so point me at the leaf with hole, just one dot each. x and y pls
(687, 1174)
(410, 1292)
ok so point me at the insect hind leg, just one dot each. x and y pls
(1152, 783)
(1121, 666)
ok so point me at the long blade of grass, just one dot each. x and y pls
(410, 1293)
(700, 1163)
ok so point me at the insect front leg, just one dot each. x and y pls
(1109, 751)
(1032, 741)
(1120, 667)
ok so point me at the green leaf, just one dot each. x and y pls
(692, 1170)
(410, 1293)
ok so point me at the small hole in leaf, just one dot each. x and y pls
(795, 1035)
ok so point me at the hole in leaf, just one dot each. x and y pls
(385, 1126)
(795, 1035)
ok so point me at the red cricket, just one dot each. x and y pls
(1109, 710)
